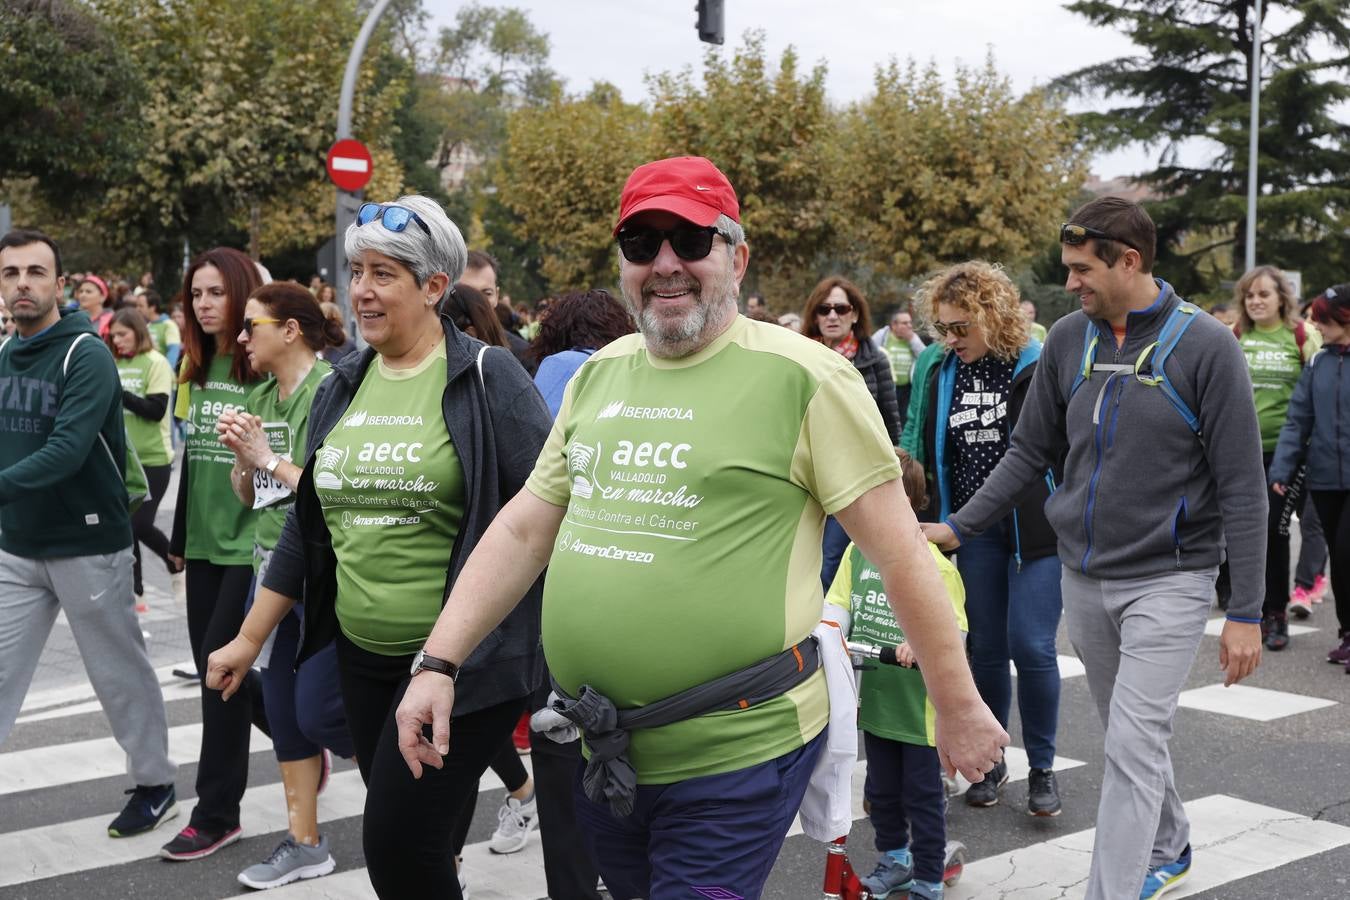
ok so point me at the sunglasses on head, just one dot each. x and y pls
(690, 242)
(260, 320)
(839, 309)
(960, 329)
(393, 217)
(1076, 235)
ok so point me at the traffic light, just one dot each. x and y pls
(711, 21)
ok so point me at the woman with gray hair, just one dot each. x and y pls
(415, 443)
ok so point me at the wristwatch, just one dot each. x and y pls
(424, 660)
(272, 464)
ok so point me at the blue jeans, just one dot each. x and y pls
(1013, 615)
(714, 836)
(909, 805)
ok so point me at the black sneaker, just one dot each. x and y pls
(1042, 793)
(1276, 631)
(147, 808)
(985, 793)
(193, 844)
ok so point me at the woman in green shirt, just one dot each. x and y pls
(284, 332)
(147, 382)
(214, 533)
(1276, 346)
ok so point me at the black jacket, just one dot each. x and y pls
(875, 367)
(498, 438)
(1029, 535)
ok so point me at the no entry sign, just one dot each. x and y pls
(349, 164)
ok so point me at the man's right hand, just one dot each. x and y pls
(969, 740)
(941, 534)
(226, 667)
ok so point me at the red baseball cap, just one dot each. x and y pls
(690, 187)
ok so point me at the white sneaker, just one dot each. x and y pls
(463, 882)
(515, 821)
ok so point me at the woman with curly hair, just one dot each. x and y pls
(576, 326)
(1011, 571)
(1277, 347)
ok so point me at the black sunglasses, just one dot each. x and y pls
(1076, 235)
(690, 242)
(839, 309)
(957, 328)
(395, 218)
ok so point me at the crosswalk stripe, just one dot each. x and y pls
(1231, 839)
(44, 767)
(1214, 628)
(178, 689)
(78, 846)
(83, 690)
(1259, 704)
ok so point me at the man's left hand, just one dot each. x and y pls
(969, 740)
(1239, 650)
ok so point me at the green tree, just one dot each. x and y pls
(68, 99)
(1191, 81)
(561, 172)
(934, 174)
(769, 131)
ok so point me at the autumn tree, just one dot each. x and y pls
(936, 173)
(562, 169)
(1191, 82)
(768, 128)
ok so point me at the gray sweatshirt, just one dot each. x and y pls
(1142, 495)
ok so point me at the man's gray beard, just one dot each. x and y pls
(670, 338)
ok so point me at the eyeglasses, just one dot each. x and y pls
(690, 242)
(960, 329)
(394, 218)
(260, 320)
(1075, 235)
(839, 309)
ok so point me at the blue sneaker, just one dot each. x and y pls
(890, 875)
(926, 890)
(1161, 879)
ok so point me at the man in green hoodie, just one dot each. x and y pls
(65, 535)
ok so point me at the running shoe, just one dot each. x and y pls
(1300, 602)
(1042, 793)
(290, 861)
(889, 876)
(927, 890)
(193, 844)
(1340, 655)
(521, 736)
(1161, 879)
(463, 882)
(148, 807)
(985, 793)
(1275, 632)
(515, 821)
(1318, 592)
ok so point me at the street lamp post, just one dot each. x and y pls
(347, 202)
(1253, 139)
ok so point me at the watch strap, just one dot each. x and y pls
(436, 664)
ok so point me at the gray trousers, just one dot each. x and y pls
(1137, 639)
(95, 594)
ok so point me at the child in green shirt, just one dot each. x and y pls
(904, 777)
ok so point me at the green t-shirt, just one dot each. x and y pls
(392, 490)
(902, 358)
(142, 375)
(696, 490)
(219, 527)
(1037, 331)
(894, 700)
(1275, 363)
(164, 333)
(285, 423)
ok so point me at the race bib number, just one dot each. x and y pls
(267, 490)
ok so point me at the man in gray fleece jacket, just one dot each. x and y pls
(1143, 516)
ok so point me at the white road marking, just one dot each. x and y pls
(1255, 703)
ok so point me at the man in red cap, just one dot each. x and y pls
(679, 504)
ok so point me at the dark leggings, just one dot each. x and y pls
(409, 824)
(143, 523)
(215, 608)
(304, 708)
(506, 763)
(1277, 552)
(1331, 509)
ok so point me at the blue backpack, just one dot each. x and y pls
(1149, 367)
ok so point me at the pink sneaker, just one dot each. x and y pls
(1300, 603)
(1318, 591)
